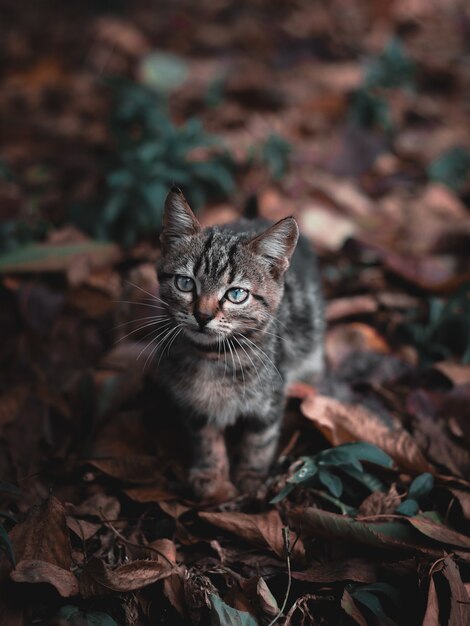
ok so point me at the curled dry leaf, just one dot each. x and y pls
(32, 571)
(98, 579)
(263, 529)
(452, 597)
(342, 423)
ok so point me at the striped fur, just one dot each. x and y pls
(223, 361)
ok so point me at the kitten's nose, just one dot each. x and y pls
(203, 318)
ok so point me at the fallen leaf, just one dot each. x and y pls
(340, 308)
(131, 469)
(98, 579)
(355, 569)
(346, 339)
(263, 529)
(327, 228)
(223, 615)
(391, 535)
(457, 373)
(350, 608)
(59, 258)
(431, 616)
(43, 535)
(34, 571)
(342, 423)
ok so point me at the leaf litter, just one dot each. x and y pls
(351, 118)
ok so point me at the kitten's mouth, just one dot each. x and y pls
(203, 340)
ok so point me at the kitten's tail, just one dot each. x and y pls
(251, 210)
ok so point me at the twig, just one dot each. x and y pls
(137, 545)
(286, 537)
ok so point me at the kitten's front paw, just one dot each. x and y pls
(249, 481)
(210, 484)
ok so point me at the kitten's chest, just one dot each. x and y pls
(217, 392)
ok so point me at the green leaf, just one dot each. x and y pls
(392, 68)
(385, 589)
(421, 486)
(306, 472)
(372, 602)
(337, 457)
(451, 168)
(10, 489)
(368, 452)
(99, 619)
(75, 617)
(368, 480)
(332, 483)
(163, 71)
(5, 543)
(408, 507)
(52, 258)
(275, 153)
(224, 615)
(285, 491)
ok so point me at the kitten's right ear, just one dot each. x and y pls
(178, 219)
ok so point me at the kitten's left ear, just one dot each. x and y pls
(277, 244)
(178, 219)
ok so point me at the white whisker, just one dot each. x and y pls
(148, 325)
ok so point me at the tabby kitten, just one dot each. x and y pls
(244, 318)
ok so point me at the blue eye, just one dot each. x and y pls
(237, 295)
(184, 283)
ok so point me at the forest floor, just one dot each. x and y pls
(355, 118)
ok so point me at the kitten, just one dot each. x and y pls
(245, 316)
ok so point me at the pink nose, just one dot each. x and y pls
(203, 317)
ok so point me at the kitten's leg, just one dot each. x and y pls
(257, 450)
(209, 473)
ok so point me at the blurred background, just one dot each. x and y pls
(354, 116)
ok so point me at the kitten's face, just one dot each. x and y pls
(216, 283)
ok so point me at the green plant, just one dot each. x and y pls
(392, 69)
(330, 467)
(421, 487)
(371, 596)
(152, 154)
(447, 330)
(275, 153)
(452, 168)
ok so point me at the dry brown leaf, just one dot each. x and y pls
(431, 617)
(98, 579)
(149, 493)
(379, 503)
(33, 571)
(343, 423)
(173, 588)
(131, 469)
(83, 529)
(458, 374)
(353, 305)
(358, 570)
(263, 529)
(43, 535)
(344, 339)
